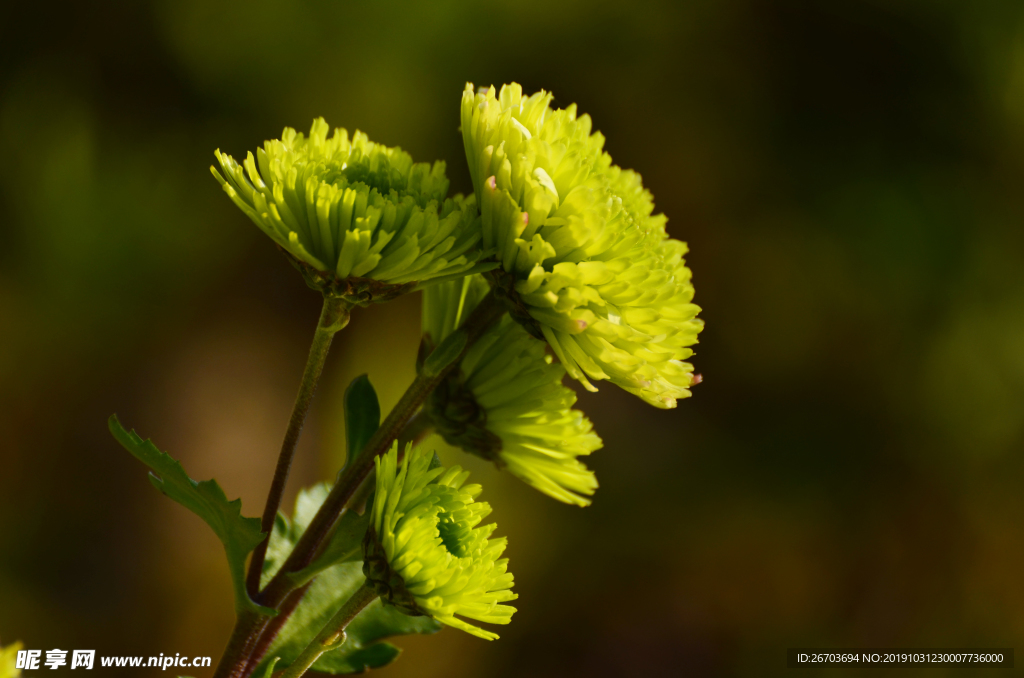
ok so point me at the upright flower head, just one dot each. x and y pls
(426, 552)
(506, 402)
(584, 262)
(361, 221)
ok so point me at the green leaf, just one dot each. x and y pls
(445, 354)
(345, 544)
(373, 657)
(362, 415)
(270, 667)
(207, 500)
(362, 648)
(286, 532)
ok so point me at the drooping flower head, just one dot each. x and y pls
(360, 220)
(506, 402)
(584, 262)
(426, 552)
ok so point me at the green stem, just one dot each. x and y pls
(485, 314)
(273, 627)
(333, 317)
(280, 586)
(242, 643)
(349, 481)
(416, 430)
(333, 633)
(256, 638)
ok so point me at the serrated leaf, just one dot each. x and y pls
(362, 648)
(206, 499)
(362, 415)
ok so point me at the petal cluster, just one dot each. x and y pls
(425, 550)
(359, 219)
(584, 262)
(506, 402)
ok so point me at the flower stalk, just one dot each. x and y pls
(357, 469)
(248, 631)
(273, 627)
(334, 316)
(333, 633)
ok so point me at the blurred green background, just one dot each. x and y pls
(850, 178)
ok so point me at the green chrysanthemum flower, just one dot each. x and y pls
(506, 401)
(426, 552)
(584, 263)
(361, 221)
(8, 661)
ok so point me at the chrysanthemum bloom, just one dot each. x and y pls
(360, 221)
(506, 402)
(425, 551)
(584, 263)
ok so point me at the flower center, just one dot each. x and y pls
(454, 535)
(379, 178)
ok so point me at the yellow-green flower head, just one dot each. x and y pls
(425, 551)
(506, 401)
(360, 220)
(584, 262)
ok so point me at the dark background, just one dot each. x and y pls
(850, 178)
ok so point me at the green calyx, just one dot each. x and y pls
(360, 221)
(426, 552)
(354, 290)
(584, 258)
(386, 582)
(504, 285)
(461, 421)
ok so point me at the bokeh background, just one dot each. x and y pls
(849, 175)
